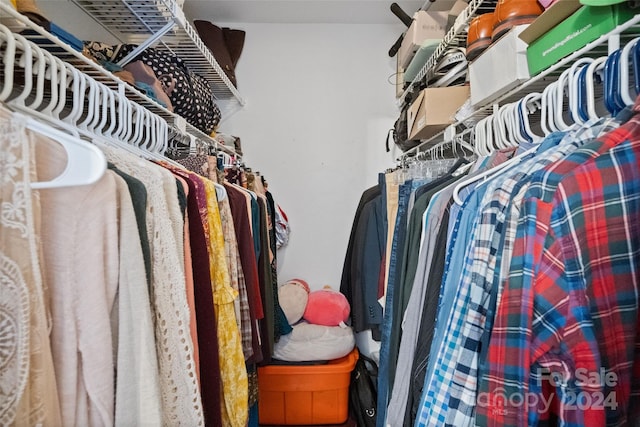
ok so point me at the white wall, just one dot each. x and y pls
(319, 105)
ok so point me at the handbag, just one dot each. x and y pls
(363, 392)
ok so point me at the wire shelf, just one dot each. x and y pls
(599, 47)
(66, 53)
(139, 21)
(457, 36)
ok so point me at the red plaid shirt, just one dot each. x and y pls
(570, 303)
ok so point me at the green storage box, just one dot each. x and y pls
(584, 26)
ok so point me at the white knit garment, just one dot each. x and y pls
(138, 397)
(181, 403)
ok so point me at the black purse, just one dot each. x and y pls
(363, 392)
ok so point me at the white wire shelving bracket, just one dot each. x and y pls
(161, 22)
(66, 53)
(599, 47)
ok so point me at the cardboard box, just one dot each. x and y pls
(434, 109)
(499, 68)
(557, 13)
(425, 25)
(305, 395)
(585, 25)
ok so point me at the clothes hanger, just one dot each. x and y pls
(596, 67)
(221, 192)
(612, 99)
(126, 117)
(53, 77)
(575, 89)
(489, 173)
(509, 134)
(113, 113)
(102, 111)
(481, 138)
(498, 125)
(88, 99)
(558, 108)
(86, 164)
(9, 61)
(582, 94)
(162, 136)
(26, 63)
(627, 99)
(78, 88)
(493, 171)
(636, 67)
(546, 116)
(486, 135)
(529, 105)
(511, 131)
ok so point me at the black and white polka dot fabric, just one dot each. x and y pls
(190, 94)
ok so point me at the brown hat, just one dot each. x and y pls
(30, 9)
(234, 40)
(214, 38)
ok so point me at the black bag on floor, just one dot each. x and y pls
(363, 392)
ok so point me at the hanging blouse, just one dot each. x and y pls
(232, 369)
(28, 394)
(241, 304)
(205, 314)
(242, 226)
(80, 248)
(188, 272)
(180, 393)
(138, 399)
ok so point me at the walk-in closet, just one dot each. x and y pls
(355, 213)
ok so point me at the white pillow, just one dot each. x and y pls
(308, 342)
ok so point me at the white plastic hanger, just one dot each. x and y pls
(113, 115)
(502, 128)
(78, 87)
(86, 164)
(546, 119)
(9, 61)
(490, 172)
(221, 192)
(511, 127)
(485, 130)
(90, 96)
(505, 110)
(476, 138)
(528, 105)
(63, 81)
(559, 107)
(25, 62)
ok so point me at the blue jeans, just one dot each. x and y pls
(399, 235)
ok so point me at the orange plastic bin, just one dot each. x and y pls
(305, 395)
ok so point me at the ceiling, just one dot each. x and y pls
(304, 11)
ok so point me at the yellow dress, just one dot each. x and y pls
(235, 388)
